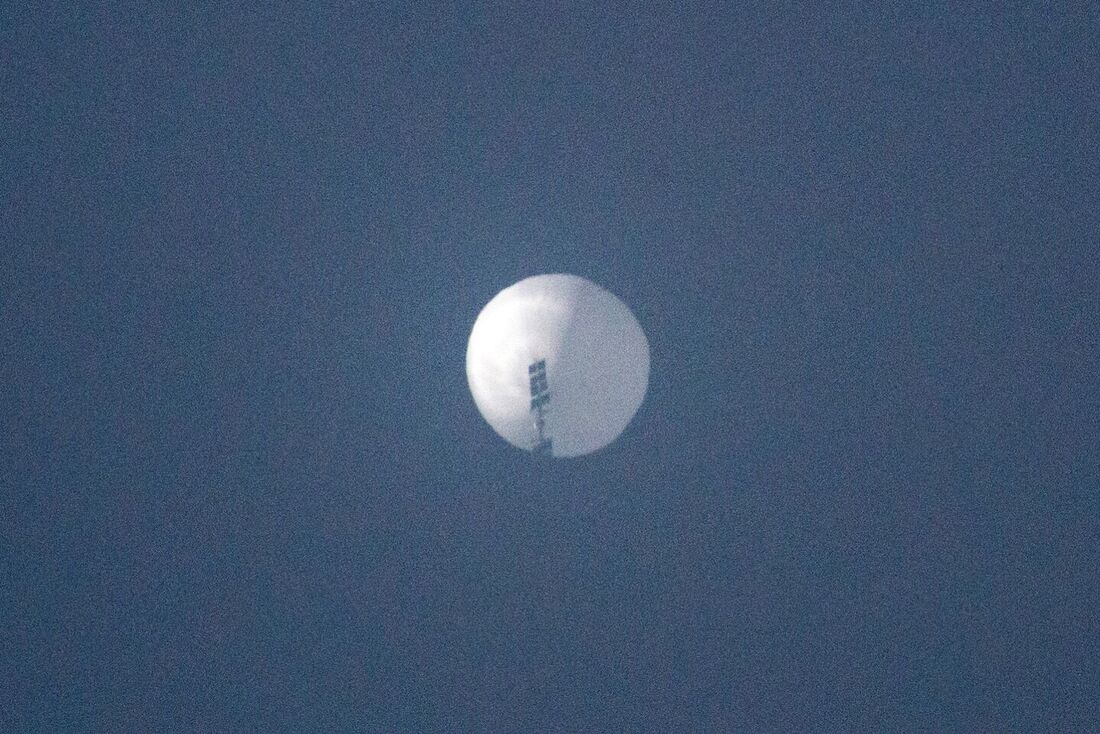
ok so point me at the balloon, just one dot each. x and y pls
(557, 365)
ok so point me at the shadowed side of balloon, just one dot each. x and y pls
(598, 402)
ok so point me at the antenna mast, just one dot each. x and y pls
(540, 396)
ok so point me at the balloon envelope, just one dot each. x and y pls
(597, 363)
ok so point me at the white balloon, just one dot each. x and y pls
(597, 363)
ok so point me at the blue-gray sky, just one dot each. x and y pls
(245, 486)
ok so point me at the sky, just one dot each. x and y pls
(244, 487)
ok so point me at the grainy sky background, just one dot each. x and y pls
(245, 486)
